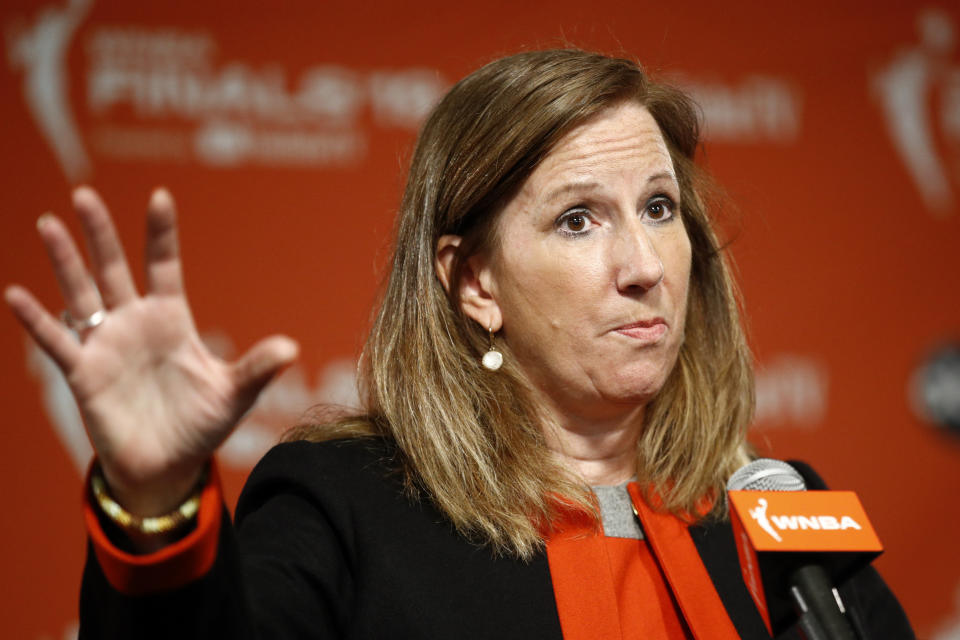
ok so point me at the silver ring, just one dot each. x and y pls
(92, 321)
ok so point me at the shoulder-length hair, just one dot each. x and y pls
(471, 439)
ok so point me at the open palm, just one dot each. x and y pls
(156, 403)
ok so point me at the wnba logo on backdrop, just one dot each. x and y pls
(919, 93)
(159, 93)
(40, 51)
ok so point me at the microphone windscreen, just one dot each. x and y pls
(766, 474)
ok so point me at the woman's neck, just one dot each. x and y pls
(602, 452)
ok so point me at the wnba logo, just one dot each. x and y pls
(772, 523)
(919, 94)
(41, 52)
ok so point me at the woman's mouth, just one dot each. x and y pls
(646, 331)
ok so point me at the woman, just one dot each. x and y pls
(554, 223)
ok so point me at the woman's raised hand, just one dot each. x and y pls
(155, 401)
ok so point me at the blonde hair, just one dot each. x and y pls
(472, 439)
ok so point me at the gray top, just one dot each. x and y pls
(616, 511)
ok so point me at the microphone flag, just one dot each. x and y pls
(827, 528)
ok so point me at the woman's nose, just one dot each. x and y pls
(636, 260)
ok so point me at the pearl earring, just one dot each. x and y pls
(492, 359)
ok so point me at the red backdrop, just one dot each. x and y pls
(283, 130)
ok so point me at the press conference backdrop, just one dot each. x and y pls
(284, 129)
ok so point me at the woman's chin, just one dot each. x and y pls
(613, 403)
(637, 386)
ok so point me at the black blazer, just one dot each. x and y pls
(327, 545)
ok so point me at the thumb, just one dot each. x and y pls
(260, 364)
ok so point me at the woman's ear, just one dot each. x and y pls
(475, 285)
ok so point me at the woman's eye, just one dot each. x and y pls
(574, 222)
(659, 209)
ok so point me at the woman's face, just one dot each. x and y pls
(591, 273)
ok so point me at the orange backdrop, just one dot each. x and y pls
(283, 130)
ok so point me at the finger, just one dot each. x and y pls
(109, 262)
(260, 365)
(164, 273)
(79, 293)
(52, 336)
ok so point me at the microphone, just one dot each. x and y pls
(795, 545)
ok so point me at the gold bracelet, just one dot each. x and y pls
(149, 526)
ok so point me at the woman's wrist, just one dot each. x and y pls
(149, 533)
(156, 524)
(153, 497)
